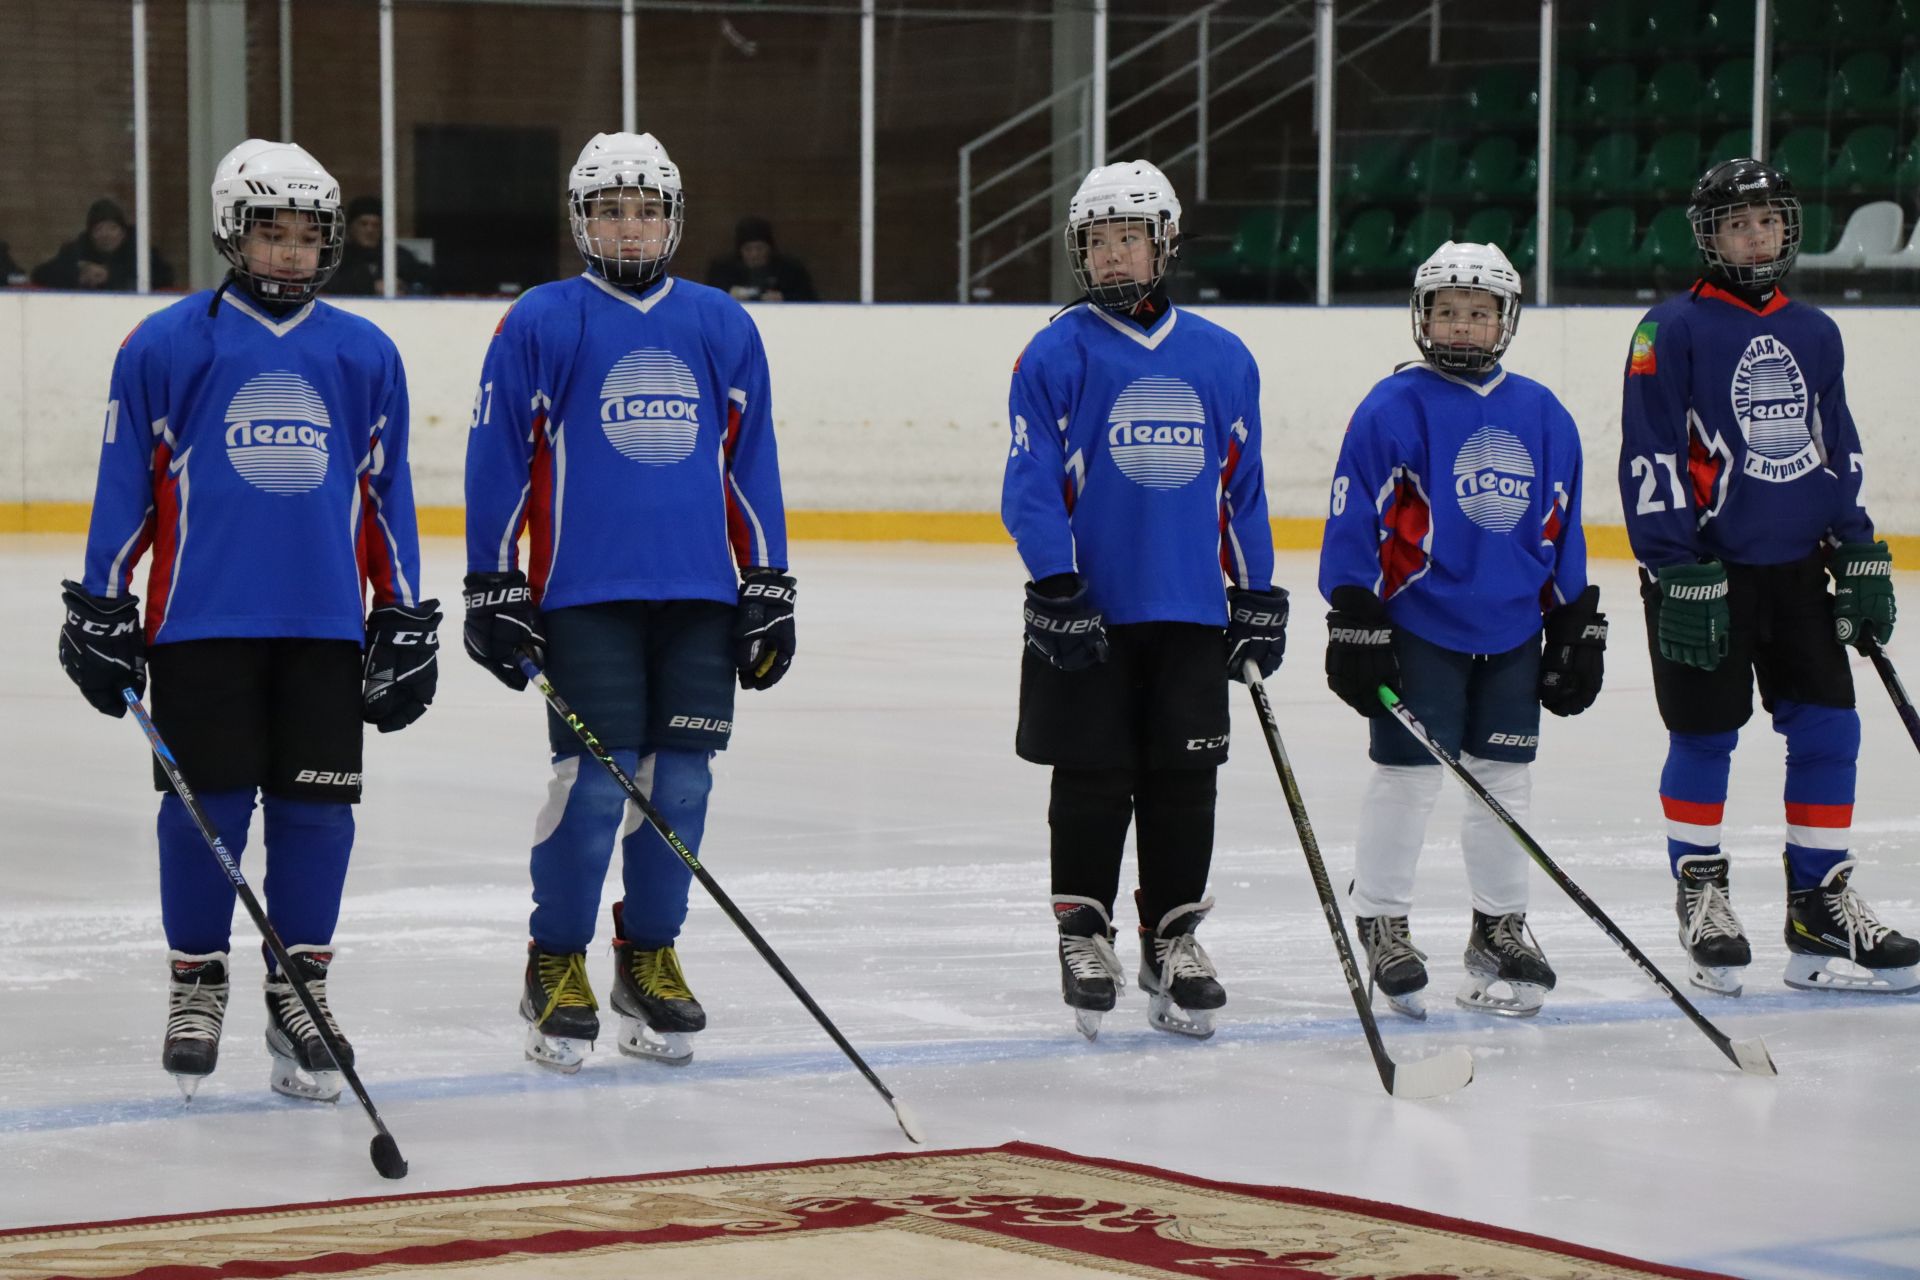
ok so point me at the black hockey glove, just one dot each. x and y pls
(1256, 629)
(501, 621)
(403, 664)
(763, 628)
(102, 647)
(1862, 593)
(1360, 650)
(1063, 627)
(1573, 662)
(1691, 615)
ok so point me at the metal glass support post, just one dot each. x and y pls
(966, 223)
(1543, 198)
(142, 167)
(1203, 36)
(629, 74)
(286, 70)
(866, 150)
(1323, 113)
(389, 202)
(1097, 109)
(1762, 75)
(1433, 34)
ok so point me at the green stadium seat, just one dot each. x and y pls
(1607, 247)
(1729, 91)
(1612, 31)
(1672, 165)
(1255, 248)
(1429, 229)
(1799, 86)
(1668, 247)
(1497, 99)
(1864, 85)
(1567, 95)
(1727, 26)
(1432, 169)
(1796, 22)
(1906, 170)
(1802, 156)
(1369, 169)
(1490, 226)
(1525, 249)
(1865, 160)
(1731, 145)
(1526, 180)
(1901, 21)
(1490, 168)
(1362, 247)
(1672, 95)
(1906, 88)
(1609, 168)
(1816, 228)
(1611, 95)
(1673, 24)
(1856, 21)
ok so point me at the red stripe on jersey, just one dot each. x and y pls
(1777, 301)
(1819, 815)
(1227, 469)
(166, 538)
(1403, 551)
(376, 563)
(1694, 813)
(739, 533)
(1704, 469)
(537, 519)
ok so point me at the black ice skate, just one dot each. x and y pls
(558, 1005)
(1090, 973)
(1182, 989)
(1709, 930)
(658, 1011)
(1501, 953)
(303, 1067)
(196, 1007)
(1394, 964)
(1836, 943)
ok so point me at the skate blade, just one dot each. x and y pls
(189, 1085)
(1411, 1005)
(555, 1053)
(1524, 1002)
(1722, 980)
(671, 1048)
(1087, 1022)
(1835, 973)
(1164, 1015)
(289, 1079)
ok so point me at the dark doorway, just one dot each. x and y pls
(491, 199)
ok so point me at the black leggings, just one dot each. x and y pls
(1089, 814)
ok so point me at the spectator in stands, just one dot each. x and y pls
(360, 262)
(758, 272)
(10, 271)
(103, 256)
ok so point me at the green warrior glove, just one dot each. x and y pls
(1862, 593)
(1693, 615)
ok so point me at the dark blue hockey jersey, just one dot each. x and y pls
(632, 438)
(1136, 461)
(1736, 441)
(264, 461)
(1457, 501)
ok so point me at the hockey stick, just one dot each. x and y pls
(909, 1123)
(384, 1150)
(1749, 1055)
(1895, 690)
(1424, 1078)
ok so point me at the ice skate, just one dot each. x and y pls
(196, 1007)
(1836, 943)
(560, 1011)
(658, 1011)
(303, 1067)
(1090, 973)
(1716, 944)
(1394, 964)
(1507, 974)
(1182, 990)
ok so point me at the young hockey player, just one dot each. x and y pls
(1133, 485)
(1454, 527)
(636, 403)
(256, 441)
(1740, 472)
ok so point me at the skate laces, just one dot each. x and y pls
(1857, 918)
(1710, 913)
(197, 1011)
(1092, 957)
(1510, 936)
(1389, 942)
(564, 977)
(1183, 957)
(293, 1012)
(658, 974)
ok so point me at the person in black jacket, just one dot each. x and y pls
(359, 272)
(758, 272)
(103, 256)
(11, 272)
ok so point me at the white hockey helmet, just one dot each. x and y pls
(1129, 191)
(254, 181)
(1466, 266)
(625, 164)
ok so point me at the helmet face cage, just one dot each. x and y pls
(1163, 236)
(646, 259)
(1709, 220)
(1462, 357)
(241, 219)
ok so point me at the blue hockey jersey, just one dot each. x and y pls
(1136, 461)
(1457, 500)
(1736, 442)
(264, 461)
(631, 437)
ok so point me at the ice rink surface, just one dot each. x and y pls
(873, 820)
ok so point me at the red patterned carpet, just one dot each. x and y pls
(1018, 1211)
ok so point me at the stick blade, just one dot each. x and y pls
(909, 1122)
(1751, 1056)
(386, 1156)
(1433, 1077)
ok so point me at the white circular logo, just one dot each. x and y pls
(277, 433)
(650, 407)
(1493, 479)
(1770, 404)
(1157, 433)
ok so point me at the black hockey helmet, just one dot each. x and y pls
(1734, 185)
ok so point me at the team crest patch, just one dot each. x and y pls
(1642, 361)
(1493, 479)
(1157, 432)
(650, 407)
(278, 432)
(1770, 404)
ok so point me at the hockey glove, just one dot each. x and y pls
(1693, 619)
(1256, 629)
(763, 628)
(501, 621)
(1573, 661)
(1862, 593)
(403, 664)
(102, 647)
(1063, 627)
(1360, 650)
